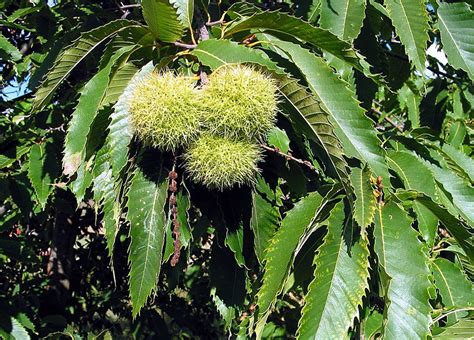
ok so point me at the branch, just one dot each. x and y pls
(129, 6)
(183, 45)
(391, 122)
(289, 157)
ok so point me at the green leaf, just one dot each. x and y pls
(8, 51)
(463, 329)
(85, 113)
(353, 128)
(411, 24)
(314, 11)
(416, 176)
(344, 18)
(373, 325)
(13, 154)
(278, 22)
(461, 192)
(455, 227)
(339, 283)
(185, 11)
(455, 289)
(118, 83)
(18, 331)
(73, 55)
(408, 308)
(279, 139)
(82, 182)
(42, 171)
(279, 253)
(105, 194)
(162, 20)
(411, 101)
(457, 133)
(120, 132)
(455, 21)
(235, 241)
(215, 53)
(458, 161)
(265, 216)
(307, 116)
(227, 313)
(365, 203)
(146, 201)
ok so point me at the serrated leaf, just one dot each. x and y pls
(13, 154)
(314, 11)
(146, 201)
(82, 182)
(18, 331)
(118, 83)
(278, 138)
(265, 216)
(279, 253)
(463, 329)
(416, 176)
(408, 308)
(461, 192)
(353, 128)
(138, 36)
(455, 289)
(105, 194)
(457, 133)
(120, 132)
(235, 241)
(215, 53)
(410, 101)
(185, 11)
(344, 18)
(411, 24)
(308, 117)
(42, 171)
(162, 20)
(456, 24)
(85, 113)
(458, 161)
(339, 283)
(279, 22)
(8, 51)
(365, 203)
(227, 313)
(456, 228)
(73, 55)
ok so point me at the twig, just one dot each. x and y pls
(203, 34)
(129, 6)
(183, 45)
(391, 122)
(215, 23)
(289, 157)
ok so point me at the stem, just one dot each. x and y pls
(183, 45)
(289, 157)
(387, 119)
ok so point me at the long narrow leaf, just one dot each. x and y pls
(73, 55)
(408, 311)
(353, 128)
(339, 284)
(146, 201)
